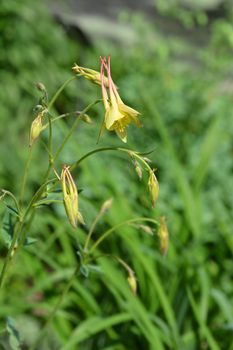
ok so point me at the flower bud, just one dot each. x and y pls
(70, 197)
(138, 169)
(86, 119)
(146, 229)
(148, 160)
(153, 187)
(132, 283)
(163, 236)
(90, 74)
(36, 128)
(40, 87)
(106, 206)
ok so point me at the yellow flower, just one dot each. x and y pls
(89, 74)
(117, 114)
(70, 197)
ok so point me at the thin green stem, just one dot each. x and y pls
(17, 231)
(119, 260)
(55, 96)
(5, 192)
(56, 307)
(74, 165)
(61, 116)
(114, 228)
(73, 128)
(37, 195)
(50, 141)
(99, 215)
(49, 201)
(26, 229)
(25, 175)
(103, 149)
(46, 148)
(142, 160)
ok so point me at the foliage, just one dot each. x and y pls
(33, 49)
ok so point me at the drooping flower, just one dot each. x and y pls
(70, 197)
(117, 114)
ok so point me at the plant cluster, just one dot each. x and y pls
(19, 214)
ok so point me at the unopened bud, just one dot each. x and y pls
(86, 119)
(106, 205)
(90, 74)
(40, 87)
(132, 283)
(153, 187)
(163, 236)
(146, 229)
(148, 160)
(36, 128)
(138, 169)
(70, 197)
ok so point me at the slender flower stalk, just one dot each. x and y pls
(116, 227)
(105, 207)
(153, 184)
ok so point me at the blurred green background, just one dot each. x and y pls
(182, 83)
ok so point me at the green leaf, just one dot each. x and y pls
(14, 337)
(30, 241)
(84, 270)
(7, 227)
(12, 210)
(94, 325)
(94, 269)
(203, 327)
(46, 201)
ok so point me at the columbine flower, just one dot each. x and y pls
(117, 114)
(89, 74)
(70, 197)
